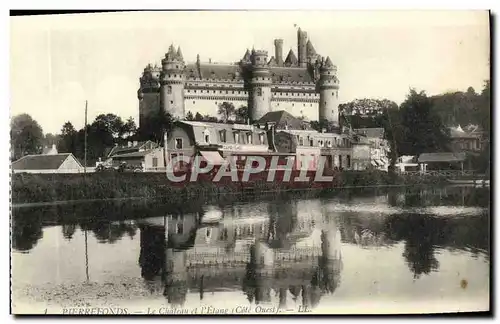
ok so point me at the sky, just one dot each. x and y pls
(58, 62)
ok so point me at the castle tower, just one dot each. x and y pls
(278, 51)
(172, 83)
(328, 85)
(302, 47)
(149, 94)
(260, 98)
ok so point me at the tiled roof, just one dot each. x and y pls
(282, 120)
(441, 157)
(289, 74)
(458, 132)
(291, 59)
(127, 149)
(214, 71)
(41, 162)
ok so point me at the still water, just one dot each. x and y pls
(402, 251)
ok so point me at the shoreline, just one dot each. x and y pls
(32, 190)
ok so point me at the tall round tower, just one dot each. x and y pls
(328, 85)
(260, 98)
(149, 94)
(172, 83)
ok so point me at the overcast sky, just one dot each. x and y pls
(58, 62)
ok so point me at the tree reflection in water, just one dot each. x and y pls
(26, 230)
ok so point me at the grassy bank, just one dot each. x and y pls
(34, 188)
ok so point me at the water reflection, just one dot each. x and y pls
(256, 263)
(283, 252)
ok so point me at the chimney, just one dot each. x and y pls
(278, 51)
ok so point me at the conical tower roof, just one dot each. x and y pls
(310, 48)
(272, 62)
(291, 59)
(246, 56)
(328, 62)
(179, 53)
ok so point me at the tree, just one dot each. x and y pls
(155, 126)
(67, 139)
(189, 116)
(242, 114)
(226, 110)
(26, 136)
(423, 130)
(110, 123)
(129, 128)
(50, 139)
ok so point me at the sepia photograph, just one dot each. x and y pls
(250, 162)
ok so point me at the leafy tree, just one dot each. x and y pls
(110, 123)
(67, 139)
(155, 126)
(129, 128)
(189, 116)
(423, 130)
(242, 114)
(26, 136)
(226, 110)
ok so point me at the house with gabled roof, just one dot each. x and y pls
(48, 163)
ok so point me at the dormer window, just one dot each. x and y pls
(222, 134)
(206, 135)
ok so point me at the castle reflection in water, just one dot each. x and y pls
(209, 251)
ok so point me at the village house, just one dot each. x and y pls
(465, 140)
(144, 156)
(379, 147)
(48, 163)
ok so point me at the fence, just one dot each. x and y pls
(441, 173)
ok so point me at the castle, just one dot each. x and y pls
(304, 85)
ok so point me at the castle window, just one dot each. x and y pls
(232, 92)
(169, 90)
(176, 66)
(194, 91)
(337, 93)
(178, 143)
(171, 102)
(259, 92)
(189, 91)
(175, 75)
(226, 91)
(293, 105)
(333, 93)
(194, 102)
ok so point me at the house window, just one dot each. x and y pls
(155, 162)
(180, 228)
(261, 138)
(249, 138)
(301, 141)
(222, 134)
(311, 142)
(169, 90)
(236, 138)
(207, 138)
(348, 158)
(178, 143)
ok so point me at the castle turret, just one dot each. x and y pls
(172, 83)
(302, 47)
(149, 93)
(328, 85)
(260, 98)
(278, 51)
